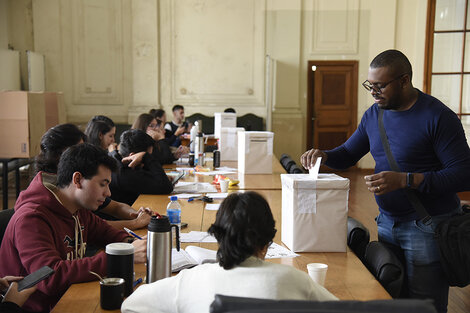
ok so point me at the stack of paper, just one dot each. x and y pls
(190, 257)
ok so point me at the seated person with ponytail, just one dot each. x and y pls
(244, 228)
(146, 178)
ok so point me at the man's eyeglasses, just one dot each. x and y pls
(378, 88)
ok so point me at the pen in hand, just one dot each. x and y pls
(130, 232)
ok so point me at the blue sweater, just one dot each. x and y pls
(428, 138)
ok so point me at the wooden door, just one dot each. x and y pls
(332, 103)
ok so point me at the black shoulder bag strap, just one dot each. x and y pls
(417, 205)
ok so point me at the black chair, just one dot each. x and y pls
(226, 304)
(289, 165)
(207, 122)
(358, 237)
(386, 267)
(5, 216)
(251, 122)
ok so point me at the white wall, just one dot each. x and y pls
(123, 57)
(3, 24)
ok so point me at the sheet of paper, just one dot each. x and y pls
(226, 168)
(217, 195)
(197, 236)
(193, 187)
(212, 206)
(277, 251)
(315, 169)
(186, 195)
(217, 172)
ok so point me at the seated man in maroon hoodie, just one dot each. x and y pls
(53, 223)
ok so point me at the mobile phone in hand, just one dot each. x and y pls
(34, 278)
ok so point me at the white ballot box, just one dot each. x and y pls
(228, 143)
(314, 212)
(224, 120)
(255, 150)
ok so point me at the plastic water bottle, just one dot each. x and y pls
(173, 211)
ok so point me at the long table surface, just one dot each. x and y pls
(347, 277)
(247, 181)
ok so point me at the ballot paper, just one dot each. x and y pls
(315, 169)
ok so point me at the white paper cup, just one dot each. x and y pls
(317, 272)
(224, 185)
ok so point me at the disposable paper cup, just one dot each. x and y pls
(317, 271)
(224, 185)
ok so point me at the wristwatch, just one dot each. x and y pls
(409, 180)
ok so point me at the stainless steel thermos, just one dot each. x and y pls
(159, 246)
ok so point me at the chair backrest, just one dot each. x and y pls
(251, 122)
(385, 266)
(226, 304)
(5, 216)
(358, 237)
(207, 122)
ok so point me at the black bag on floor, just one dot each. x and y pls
(453, 238)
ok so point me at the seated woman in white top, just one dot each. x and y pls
(244, 228)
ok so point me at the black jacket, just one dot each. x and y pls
(127, 183)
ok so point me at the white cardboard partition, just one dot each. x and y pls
(314, 212)
(228, 143)
(255, 150)
(224, 120)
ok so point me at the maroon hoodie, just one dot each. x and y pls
(43, 232)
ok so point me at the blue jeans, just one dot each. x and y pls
(415, 240)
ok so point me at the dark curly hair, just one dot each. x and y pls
(244, 225)
(84, 158)
(53, 143)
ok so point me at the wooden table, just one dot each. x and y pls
(247, 181)
(347, 277)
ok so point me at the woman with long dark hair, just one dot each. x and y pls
(100, 131)
(244, 228)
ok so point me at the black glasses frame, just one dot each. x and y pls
(379, 89)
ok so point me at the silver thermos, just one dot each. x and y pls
(199, 149)
(159, 245)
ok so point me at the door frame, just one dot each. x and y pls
(311, 95)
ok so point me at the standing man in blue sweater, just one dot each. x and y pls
(428, 143)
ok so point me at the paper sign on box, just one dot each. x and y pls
(314, 212)
(255, 150)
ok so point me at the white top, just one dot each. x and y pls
(193, 290)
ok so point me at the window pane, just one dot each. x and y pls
(466, 94)
(450, 14)
(467, 52)
(447, 89)
(466, 126)
(447, 52)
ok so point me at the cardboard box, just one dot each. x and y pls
(22, 123)
(314, 212)
(224, 120)
(55, 110)
(228, 143)
(255, 150)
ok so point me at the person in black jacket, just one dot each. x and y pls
(148, 177)
(154, 128)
